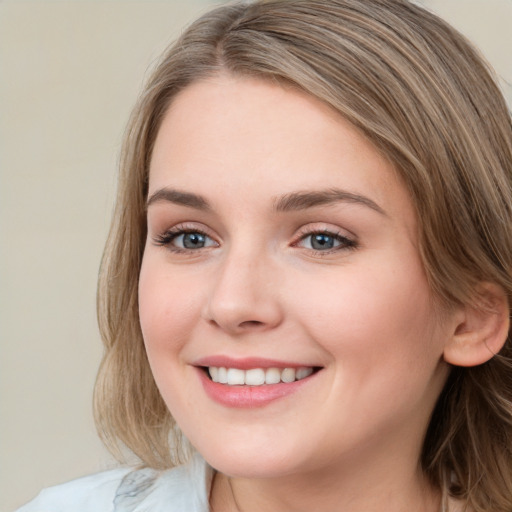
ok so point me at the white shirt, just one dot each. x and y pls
(181, 489)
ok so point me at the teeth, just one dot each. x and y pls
(272, 376)
(236, 377)
(214, 373)
(222, 376)
(257, 376)
(302, 373)
(288, 375)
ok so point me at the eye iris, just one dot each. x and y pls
(193, 240)
(321, 241)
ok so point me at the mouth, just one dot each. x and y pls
(257, 376)
(252, 382)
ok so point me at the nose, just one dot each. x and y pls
(245, 295)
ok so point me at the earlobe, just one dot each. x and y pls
(482, 328)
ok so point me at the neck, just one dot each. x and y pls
(355, 490)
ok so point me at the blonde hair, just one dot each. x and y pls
(425, 98)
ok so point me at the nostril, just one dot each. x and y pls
(251, 323)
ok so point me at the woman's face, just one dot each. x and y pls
(282, 251)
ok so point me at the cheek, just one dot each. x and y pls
(377, 313)
(167, 317)
(166, 311)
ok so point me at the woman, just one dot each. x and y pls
(309, 271)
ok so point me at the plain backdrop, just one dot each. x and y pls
(70, 72)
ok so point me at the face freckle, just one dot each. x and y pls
(279, 237)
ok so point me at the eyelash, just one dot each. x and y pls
(345, 243)
(166, 239)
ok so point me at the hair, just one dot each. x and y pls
(429, 103)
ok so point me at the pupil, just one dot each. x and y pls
(322, 242)
(193, 240)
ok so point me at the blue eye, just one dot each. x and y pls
(325, 242)
(185, 240)
(191, 240)
(321, 241)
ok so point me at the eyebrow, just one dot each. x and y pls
(180, 198)
(293, 201)
(303, 200)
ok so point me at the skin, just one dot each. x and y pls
(350, 438)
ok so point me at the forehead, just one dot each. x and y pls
(245, 136)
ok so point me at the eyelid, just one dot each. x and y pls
(167, 236)
(349, 240)
(324, 227)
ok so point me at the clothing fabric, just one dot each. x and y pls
(181, 489)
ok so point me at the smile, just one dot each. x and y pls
(257, 376)
(252, 382)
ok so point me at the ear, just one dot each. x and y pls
(481, 329)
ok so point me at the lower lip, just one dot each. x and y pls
(249, 396)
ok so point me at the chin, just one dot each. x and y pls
(257, 463)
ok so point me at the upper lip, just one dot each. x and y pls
(248, 363)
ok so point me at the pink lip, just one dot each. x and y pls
(246, 363)
(247, 396)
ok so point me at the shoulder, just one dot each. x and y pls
(83, 494)
(184, 488)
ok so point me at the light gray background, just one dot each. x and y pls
(69, 73)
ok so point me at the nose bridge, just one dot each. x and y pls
(244, 296)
